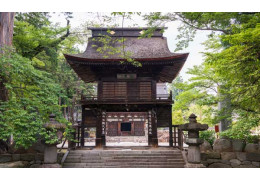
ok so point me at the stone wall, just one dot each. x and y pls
(226, 153)
(27, 160)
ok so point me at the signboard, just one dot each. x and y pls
(126, 76)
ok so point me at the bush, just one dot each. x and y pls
(208, 136)
(253, 139)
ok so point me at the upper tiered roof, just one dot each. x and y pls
(148, 51)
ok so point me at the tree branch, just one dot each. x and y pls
(181, 18)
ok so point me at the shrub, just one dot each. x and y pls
(253, 139)
(208, 136)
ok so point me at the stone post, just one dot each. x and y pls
(50, 151)
(193, 140)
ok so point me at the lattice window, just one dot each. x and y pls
(112, 128)
(139, 128)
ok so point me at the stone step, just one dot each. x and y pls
(121, 160)
(128, 154)
(125, 166)
(125, 163)
(123, 152)
(124, 159)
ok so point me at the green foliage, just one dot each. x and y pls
(253, 139)
(232, 62)
(39, 81)
(194, 97)
(176, 91)
(215, 22)
(114, 46)
(177, 117)
(241, 128)
(208, 135)
(33, 95)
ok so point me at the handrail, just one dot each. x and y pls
(65, 156)
(62, 145)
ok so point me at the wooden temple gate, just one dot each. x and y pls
(125, 92)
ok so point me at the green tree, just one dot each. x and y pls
(38, 80)
(232, 59)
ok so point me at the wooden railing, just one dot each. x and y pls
(158, 97)
(178, 137)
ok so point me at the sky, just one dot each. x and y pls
(195, 48)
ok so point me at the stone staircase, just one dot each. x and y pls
(124, 159)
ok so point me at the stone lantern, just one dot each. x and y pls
(50, 151)
(193, 139)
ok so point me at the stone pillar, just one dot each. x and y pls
(50, 154)
(193, 140)
(194, 150)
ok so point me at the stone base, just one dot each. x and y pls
(16, 164)
(194, 155)
(50, 154)
(190, 165)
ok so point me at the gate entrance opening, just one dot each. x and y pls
(126, 129)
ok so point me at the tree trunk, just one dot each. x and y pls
(6, 28)
(224, 107)
(6, 38)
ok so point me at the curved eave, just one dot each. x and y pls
(171, 66)
(83, 59)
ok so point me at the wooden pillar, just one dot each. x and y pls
(82, 140)
(99, 130)
(149, 128)
(154, 142)
(103, 135)
(170, 133)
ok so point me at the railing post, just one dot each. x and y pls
(174, 136)
(180, 139)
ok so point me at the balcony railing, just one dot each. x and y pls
(157, 98)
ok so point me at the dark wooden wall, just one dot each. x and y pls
(130, 90)
(164, 115)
